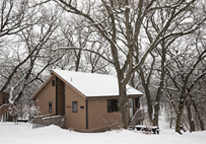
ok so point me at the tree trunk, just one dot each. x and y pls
(149, 103)
(202, 126)
(156, 111)
(157, 105)
(178, 123)
(123, 105)
(147, 94)
(179, 115)
(160, 87)
(189, 114)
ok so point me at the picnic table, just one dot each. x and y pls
(154, 129)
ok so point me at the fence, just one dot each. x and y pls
(42, 121)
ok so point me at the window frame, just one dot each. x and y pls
(112, 105)
(50, 106)
(53, 83)
(5, 100)
(137, 102)
(73, 108)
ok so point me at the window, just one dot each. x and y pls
(74, 107)
(136, 102)
(112, 105)
(50, 107)
(53, 82)
(5, 100)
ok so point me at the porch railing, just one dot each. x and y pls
(4, 116)
(137, 118)
(4, 109)
(42, 121)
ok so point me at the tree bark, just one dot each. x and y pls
(123, 105)
(147, 94)
(202, 126)
(160, 87)
(189, 114)
(179, 117)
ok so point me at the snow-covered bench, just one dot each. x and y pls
(154, 129)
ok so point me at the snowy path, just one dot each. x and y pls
(24, 134)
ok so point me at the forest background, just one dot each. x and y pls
(155, 46)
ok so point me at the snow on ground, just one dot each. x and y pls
(24, 134)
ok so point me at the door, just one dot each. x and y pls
(131, 107)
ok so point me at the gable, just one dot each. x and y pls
(38, 90)
(47, 81)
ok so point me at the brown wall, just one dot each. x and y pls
(3, 108)
(3, 94)
(98, 117)
(44, 96)
(76, 121)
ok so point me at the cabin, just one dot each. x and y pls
(85, 102)
(4, 106)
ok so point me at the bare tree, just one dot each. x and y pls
(14, 16)
(94, 62)
(185, 72)
(120, 24)
(33, 56)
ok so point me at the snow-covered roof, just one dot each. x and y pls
(94, 85)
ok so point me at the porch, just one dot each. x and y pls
(42, 121)
(137, 118)
(4, 116)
